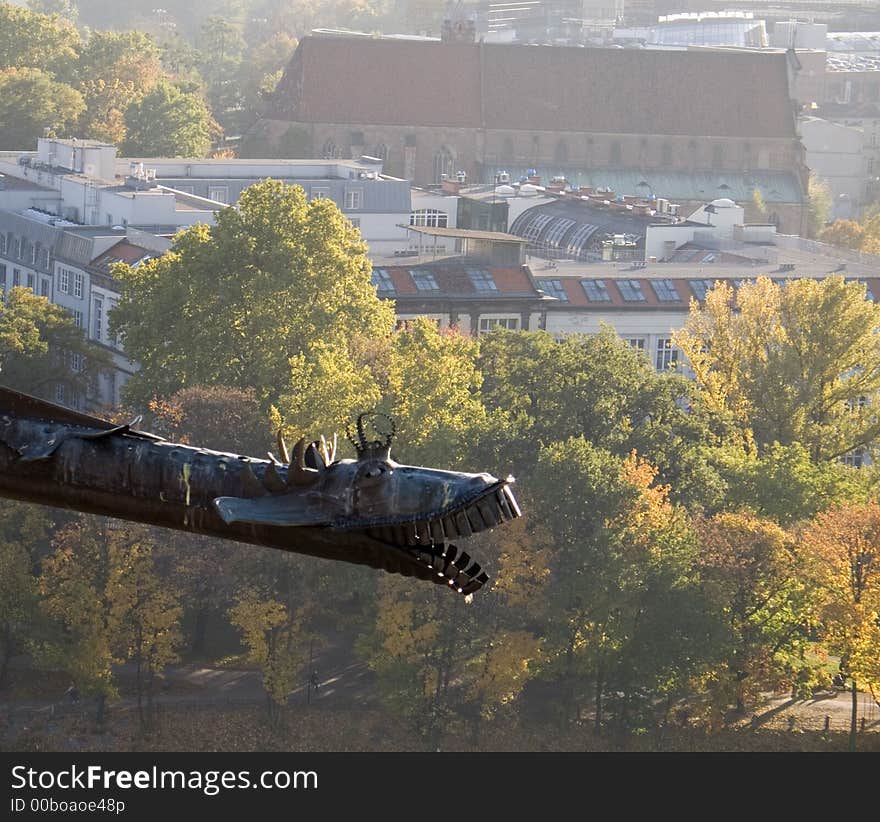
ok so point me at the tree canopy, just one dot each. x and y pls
(235, 303)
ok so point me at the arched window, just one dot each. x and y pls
(431, 217)
(560, 152)
(615, 153)
(444, 161)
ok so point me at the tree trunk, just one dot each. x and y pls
(102, 704)
(600, 688)
(854, 716)
(200, 632)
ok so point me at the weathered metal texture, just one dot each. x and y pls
(370, 511)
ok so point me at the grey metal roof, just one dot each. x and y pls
(775, 186)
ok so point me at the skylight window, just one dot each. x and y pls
(631, 291)
(596, 291)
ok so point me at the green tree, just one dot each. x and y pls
(818, 206)
(24, 534)
(30, 102)
(758, 205)
(232, 304)
(799, 363)
(41, 348)
(168, 122)
(599, 388)
(36, 41)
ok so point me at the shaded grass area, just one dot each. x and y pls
(317, 728)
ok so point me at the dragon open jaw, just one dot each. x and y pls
(426, 539)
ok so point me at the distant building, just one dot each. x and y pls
(836, 154)
(600, 117)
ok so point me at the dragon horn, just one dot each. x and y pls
(297, 471)
(282, 448)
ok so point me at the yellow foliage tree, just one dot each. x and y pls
(843, 552)
(799, 363)
(273, 636)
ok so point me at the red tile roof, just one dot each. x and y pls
(503, 86)
(453, 281)
(122, 252)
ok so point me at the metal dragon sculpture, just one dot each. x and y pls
(370, 510)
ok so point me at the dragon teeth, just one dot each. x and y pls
(437, 533)
(511, 501)
(461, 522)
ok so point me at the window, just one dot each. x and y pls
(488, 324)
(44, 287)
(354, 198)
(855, 458)
(631, 291)
(219, 194)
(596, 291)
(700, 287)
(424, 281)
(16, 246)
(2, 243)
(481, 280)
(44, 258)
(558, 230)
(78, 279)
(382, 281)
(64, 280)
(31, 281)
(553, 288)
(76, 362)
(443, 162)
(667, 354)
(59, 393)
(431, 217)
(98, 319)
(2, 275)
(16, 277)
(665, 291)
(78, 319)
(636, 342)
(320, 193)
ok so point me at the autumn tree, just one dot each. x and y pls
(794, 363)
(82, 587)
(114, 70)
(31, 101)
(753, 575)
(234, 303)
(41, 348)
(147, 611)
(844, 234)
(818, 205)
(433, 393)
(843, 556)
(274, 637)
(627, 618)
